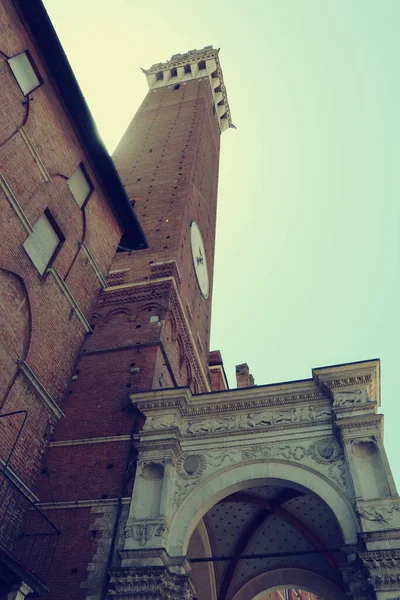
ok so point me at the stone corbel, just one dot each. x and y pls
(145, 531)
(354, 388)
(151, 583)
(352, 402)
(357, 585)
(383, 567)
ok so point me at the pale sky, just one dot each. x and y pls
(308, 252)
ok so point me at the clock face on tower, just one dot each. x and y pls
(199, 259)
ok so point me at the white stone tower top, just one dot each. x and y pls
(193, 65)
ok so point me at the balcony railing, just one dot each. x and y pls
(27, 537)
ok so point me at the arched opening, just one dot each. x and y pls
(267, 535)
(233, 479)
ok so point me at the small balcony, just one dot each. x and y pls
(28, 539)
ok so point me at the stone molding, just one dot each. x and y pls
(322, 455)
(168, 268)
(235, 401)
(83, 503)
(352, 429)
(150, 583)
(364, 375)
(36, 158)
(68, 294)
(383, 567)
(356, 581)
(15, 205)
(92, 261)
(102, 440)
(35, 382)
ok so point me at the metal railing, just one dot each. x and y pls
(27, 536)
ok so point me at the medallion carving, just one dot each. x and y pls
(325, 454)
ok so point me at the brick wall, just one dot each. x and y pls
(151, 325)
(40, 323)
(168, 160)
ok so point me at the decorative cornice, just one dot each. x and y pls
(150, 583)
(356, 426)
(83, 503)
(99, 440)
(224, 402)
(94, 265)
(383, 567)
(116, 277)
(153, 290)
(166, 269)
(68, 294)
(363, 375)
(40, 389)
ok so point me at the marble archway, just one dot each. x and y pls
(319, 438)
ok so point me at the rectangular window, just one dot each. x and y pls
(25, 72)
(44, 241)
(80, 185)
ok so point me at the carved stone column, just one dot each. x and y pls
(150, 583)
(356, 581)
(384, 572)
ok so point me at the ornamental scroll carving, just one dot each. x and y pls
(150, 583)
(143, 532)
(383, 567)
(325, 452)
(256, 419)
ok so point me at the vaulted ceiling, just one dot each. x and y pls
(296, 527)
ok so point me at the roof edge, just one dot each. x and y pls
(35, 16)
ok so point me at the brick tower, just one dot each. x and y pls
(152, 323)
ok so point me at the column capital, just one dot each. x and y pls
(150, 583)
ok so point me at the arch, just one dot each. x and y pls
(289, 578)
(203, 576)
(129, 313)
(21, 282)
(252, 473)
(150, 306)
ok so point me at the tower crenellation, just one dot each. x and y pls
(194, 64)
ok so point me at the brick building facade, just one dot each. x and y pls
(117, 427)
(151, 324)
(63, 214)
